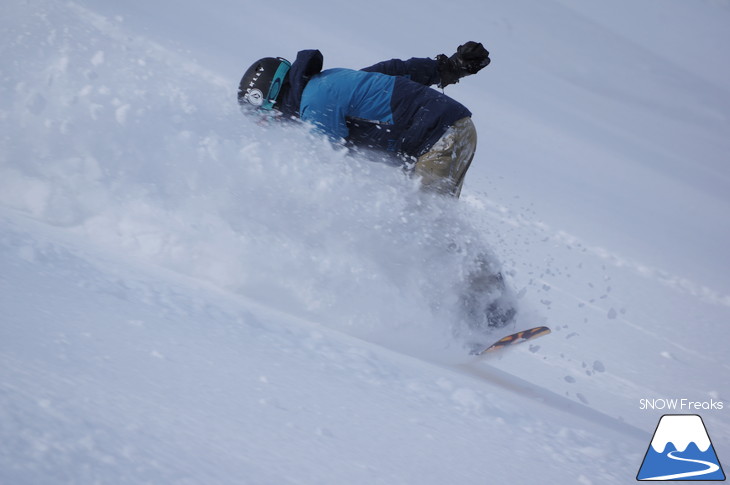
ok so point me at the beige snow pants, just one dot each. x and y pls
(443, 167)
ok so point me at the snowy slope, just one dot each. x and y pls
(188, 297)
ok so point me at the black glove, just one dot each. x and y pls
(470, 58)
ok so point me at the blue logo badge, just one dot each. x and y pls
(681, 450)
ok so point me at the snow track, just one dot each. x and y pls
(534, 392)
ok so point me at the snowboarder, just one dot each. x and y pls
(388, 106)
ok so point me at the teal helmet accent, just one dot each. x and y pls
(261, 84)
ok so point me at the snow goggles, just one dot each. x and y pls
(266, 102)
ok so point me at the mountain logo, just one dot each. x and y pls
(681, 450)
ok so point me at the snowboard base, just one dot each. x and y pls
(513, 339)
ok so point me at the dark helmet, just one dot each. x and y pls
(262, 82)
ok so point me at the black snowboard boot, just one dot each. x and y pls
(487, 302)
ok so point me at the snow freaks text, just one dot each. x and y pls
(680, 404)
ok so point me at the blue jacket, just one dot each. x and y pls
(385, 106)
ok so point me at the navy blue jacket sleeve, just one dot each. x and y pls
(421, 70)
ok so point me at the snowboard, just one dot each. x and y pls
(512, 339)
